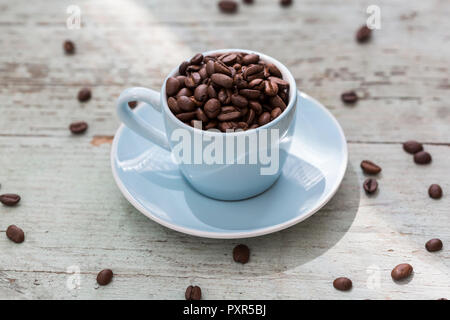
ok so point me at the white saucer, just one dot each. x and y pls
(152, 183)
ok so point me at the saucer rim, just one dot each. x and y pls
(233, 235)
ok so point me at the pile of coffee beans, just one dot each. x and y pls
(227, 91)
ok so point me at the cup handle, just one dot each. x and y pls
(134, 122)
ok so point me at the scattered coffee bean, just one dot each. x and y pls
(435, 191)
(248, 1)
(9, 199)
(442, 299)
(78, 127)
(422, 157)
(349, 97)
(369, 167)
(104, 277)
(69, 47)
(402, 271)
(286, 3)
(15, 234)
(241, 253)
(342, 284)
(220, 90)
(228, 6)
(370, 185)
(84, 95)
(412, 146)
(363, 34)
(193, 293)
(434, 245)
(132, 104)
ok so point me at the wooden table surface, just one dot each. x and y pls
(75, 218)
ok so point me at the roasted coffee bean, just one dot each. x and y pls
(220, 67)
(69, 47)
(370, 185)
(363, 34)
(9, 199)
(186, 103)
(412, 146)
(203, 73)
(277, 102)
(237, 66)
(183, 67)
(435, 191)
(241, 253)
(434, 245)
(197, 59)
(229, 59)
(132, 104)
(264, 118)
(186, 116)
(212, 108)
(210, 69)
(275, 113)
(270, 88)
(282, 84)
(274, 71)
(228, 6)
(193, 68)
(369, 167)
(250, 117)
(184, 92)
(252, 70)
(15, 234)
(250, 93)
(181, 80)
(349, 97)
(228, 114)
(239, 101)
(84, 95)
(193, 293)
(402, 271)
(212, 93)
(257, 84)
(201, 115)
(240, 82)
(201, 92)
(193, 80)
(222, 80)
(250, 59)
(173, 105)
(256, 106)
(422, 157)
(211, 125)
(342, 284)
(172, 86)
(78, 127)
(286, 3)
(104, 277)
(224, 96)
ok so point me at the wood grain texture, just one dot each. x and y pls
(73, 215)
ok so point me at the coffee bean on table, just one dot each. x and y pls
(363, 34)
(193, 293)
(241, 253)
(132, 104)
(342, 284)
(435, 191)
(412, 146)
(286, 3)
(434, 245)
(15, 234)
(228, 6)
(248, 1)
(370, 185)
(369, 167)
(104, 277)
(422, 157)
(402, 271)
(84, 95)
(9, 199)
(69, 47)
(78, 127)
(349, 97)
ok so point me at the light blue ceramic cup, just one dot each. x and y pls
(238, 177)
